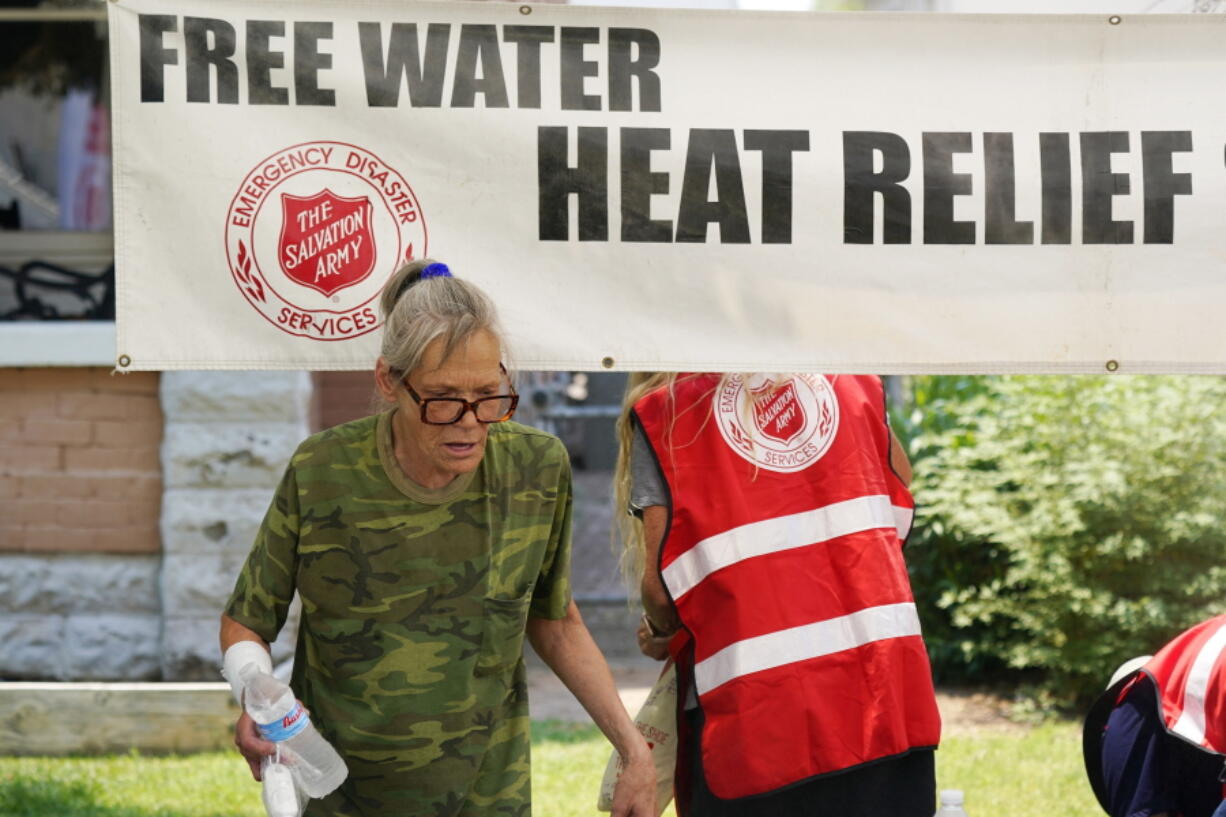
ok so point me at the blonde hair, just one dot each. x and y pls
(629, 541)
(417, 311)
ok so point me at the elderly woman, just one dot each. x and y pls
(773, 513)
(425, 542)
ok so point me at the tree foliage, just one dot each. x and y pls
(1066, 524)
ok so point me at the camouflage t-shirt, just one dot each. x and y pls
(410, 647)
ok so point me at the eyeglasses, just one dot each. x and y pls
(443, 411)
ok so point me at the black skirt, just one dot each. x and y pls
(900, 786)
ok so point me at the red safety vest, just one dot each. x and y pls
(1190, 674)
(783, 556)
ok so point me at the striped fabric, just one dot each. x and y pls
(1189, 689)
(783, 533)
(802, 643)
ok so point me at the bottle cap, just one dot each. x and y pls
(951, 797)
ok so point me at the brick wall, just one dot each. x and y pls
(340, 397)
(80, 469)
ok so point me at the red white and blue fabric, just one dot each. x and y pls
(1190, 673)
(807, 655)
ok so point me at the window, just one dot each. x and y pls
(55, 163)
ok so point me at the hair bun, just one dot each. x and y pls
(434, 269)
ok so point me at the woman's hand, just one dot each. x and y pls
(252, 747)
(635, 792)
(652, 642)
(567, 647)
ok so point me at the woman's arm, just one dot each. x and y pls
(232, 632)
(246, 737)
(567, 647)
(655, 598)
(899, 461)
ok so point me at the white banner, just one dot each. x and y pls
(683, 190)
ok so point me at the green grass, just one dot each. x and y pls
(206, 785)
(1032, 773)
(1036, 773)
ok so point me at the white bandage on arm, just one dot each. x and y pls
(238, 657)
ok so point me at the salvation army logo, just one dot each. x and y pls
(778, 412)
(784, 427)
(326, 241)
(313, 233)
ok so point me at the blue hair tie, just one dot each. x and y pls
(436, 270)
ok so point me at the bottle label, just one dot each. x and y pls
(285, 728)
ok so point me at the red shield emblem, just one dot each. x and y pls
(327, 242)
(779, 414)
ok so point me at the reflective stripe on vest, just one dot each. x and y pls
(783, 533)
(802, 643)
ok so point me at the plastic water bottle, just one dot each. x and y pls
(951, 804)
(282, 720)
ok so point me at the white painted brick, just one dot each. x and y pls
(67, 584)
(190, 651)
(32, 647)
(227, 440)
(227, 455)
(198, 520)
(278, 397)
(200, 584)
(112, 648)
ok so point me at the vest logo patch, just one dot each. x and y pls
(780, 426)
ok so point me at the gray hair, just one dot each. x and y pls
(417, 311)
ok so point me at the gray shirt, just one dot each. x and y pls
(647, 486)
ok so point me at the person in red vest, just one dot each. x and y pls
(774, 508)
(1154, 741)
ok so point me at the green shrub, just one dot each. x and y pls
(1067, 523)
(938, 557)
